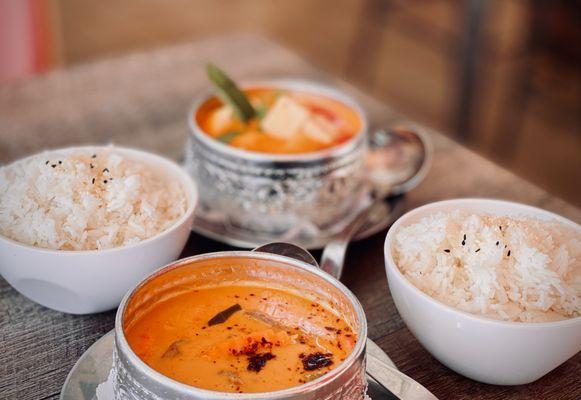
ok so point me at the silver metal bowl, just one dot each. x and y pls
(273, 193)
(135, 380)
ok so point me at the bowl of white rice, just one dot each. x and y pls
(80, 226)
(490, 288)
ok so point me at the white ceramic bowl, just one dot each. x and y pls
(83, 282)
(481, 348)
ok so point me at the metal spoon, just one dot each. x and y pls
(397, 161)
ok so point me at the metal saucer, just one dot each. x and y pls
(94, 366)
(90, 370)
(214, 225)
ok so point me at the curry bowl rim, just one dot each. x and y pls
(303, 85)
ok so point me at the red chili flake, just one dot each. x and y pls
(258, 361)
(249, 350)
(316, 361)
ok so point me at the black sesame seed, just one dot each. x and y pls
(105, 169)
(508, 254)
(93, 181)
(477, 250)
(447, 250)
(60, 162)
(463, 242)
(497, 243)
(105, 181)
(94, 156)
(92, 166)
(500, 227)
(53, 165)
(46, 163)
(464, 236)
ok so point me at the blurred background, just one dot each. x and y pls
(501, 76)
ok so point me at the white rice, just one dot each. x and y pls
(513, 269)
(86, 200)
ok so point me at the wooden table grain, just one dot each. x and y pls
(141, 100)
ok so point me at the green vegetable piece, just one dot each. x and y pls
(278, 93)
(229, 93)
(228, 136)
(261, 111)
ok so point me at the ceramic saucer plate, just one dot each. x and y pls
(94, 366)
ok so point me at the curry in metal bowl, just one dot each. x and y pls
(241, 339)
(283, 122)
(240, 325)
(280, 159)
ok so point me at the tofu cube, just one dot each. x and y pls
(285, 118)
(319, 129)
(221, 118)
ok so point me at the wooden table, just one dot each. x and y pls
(141, 100)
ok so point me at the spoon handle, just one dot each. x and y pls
(333, 257)
(401, 385)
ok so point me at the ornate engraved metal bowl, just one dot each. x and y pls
(273, 193)
(135, 380)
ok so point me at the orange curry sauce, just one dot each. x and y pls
(216, 120)
(241, 339)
